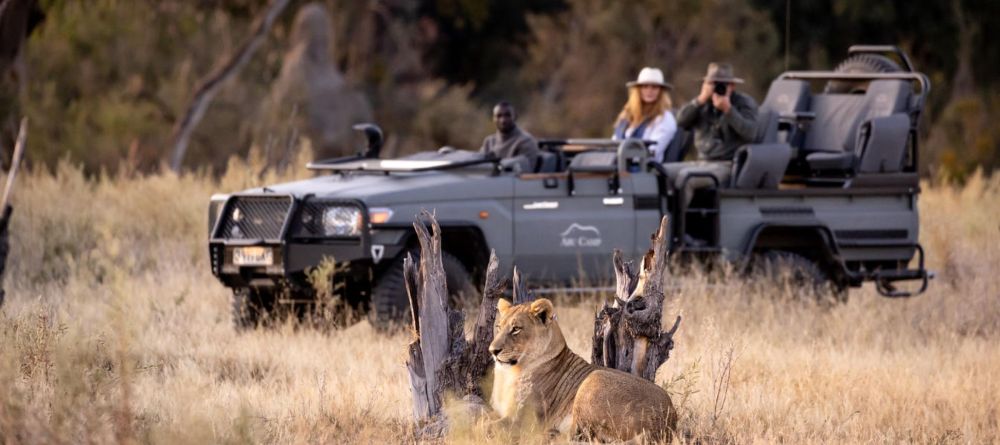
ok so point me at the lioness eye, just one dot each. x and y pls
(515, 330)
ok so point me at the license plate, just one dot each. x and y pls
(253, 256)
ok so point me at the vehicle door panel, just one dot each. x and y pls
(570, 239)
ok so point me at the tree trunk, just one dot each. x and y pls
(441, 360)
(627, 333)
(207, 89)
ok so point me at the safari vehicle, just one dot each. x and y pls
(831, 187)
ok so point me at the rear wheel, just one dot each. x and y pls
(860, 63)
(390, 306)
(251, 306)
(791, 270)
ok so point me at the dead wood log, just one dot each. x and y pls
(628, 335)
(207, 89)
(441, 360)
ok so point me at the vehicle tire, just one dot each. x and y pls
(860, 63)
(251, 307)
(788, 269)
(390, 306)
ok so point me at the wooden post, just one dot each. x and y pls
(441, 360)
(627, 333)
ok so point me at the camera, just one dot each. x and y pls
(720, 88)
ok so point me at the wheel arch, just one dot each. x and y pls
(812, 240)
(464, 241)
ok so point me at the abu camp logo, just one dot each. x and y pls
(577, 235)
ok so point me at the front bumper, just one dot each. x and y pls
(294, 248)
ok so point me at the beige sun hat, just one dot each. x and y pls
(650, 76)
(721, 72)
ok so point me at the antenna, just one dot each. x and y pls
(788, 28)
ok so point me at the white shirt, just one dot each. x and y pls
(661, 130)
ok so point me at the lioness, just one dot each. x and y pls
(537, 375)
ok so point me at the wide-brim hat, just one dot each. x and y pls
(650, 76)
(721, 72)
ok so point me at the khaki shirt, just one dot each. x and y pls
(517, 143)
(718, 135)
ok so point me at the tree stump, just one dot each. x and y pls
(627, 333)
(441, 360)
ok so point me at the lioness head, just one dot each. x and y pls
(526, 334)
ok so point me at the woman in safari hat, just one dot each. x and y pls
(646, 115)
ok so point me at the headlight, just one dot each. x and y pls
(342, 221)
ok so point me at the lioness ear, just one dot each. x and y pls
(542, 308)
(503, 305)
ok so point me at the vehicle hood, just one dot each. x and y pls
(380, 189)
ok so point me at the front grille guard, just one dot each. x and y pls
(222, 224)
(217, 243)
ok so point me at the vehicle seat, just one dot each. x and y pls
(632, 155)
(595, 161)
(548, 162)
(784, 97)
(678, 146)
(760, 166)
(845, 124)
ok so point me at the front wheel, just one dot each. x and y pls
(390, 306)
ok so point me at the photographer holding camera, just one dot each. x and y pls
(722, 119)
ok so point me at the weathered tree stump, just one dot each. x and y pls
(627, 333)
(441, 360)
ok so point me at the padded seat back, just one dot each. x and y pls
(838, 116)
(761, 166)
(832, 129)
(886, 97)
(785, 96)
(548, 162)
(595, 161)
(678, 146)
(883, 144)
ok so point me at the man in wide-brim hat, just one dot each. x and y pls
(722, 119)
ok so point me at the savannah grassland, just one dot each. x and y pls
(114, 330)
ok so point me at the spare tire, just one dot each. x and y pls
(860, 63)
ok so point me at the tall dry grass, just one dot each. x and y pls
(115, 331)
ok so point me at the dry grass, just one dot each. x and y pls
(115, 331)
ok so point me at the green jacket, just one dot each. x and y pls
(718, 135)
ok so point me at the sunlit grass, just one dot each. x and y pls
(115, 330)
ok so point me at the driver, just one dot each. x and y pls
(510, 142)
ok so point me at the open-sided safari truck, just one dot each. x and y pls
(830, 188)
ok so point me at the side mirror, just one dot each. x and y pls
(374, 136)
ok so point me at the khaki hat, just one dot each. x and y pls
(721, 72)
(650, 76)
